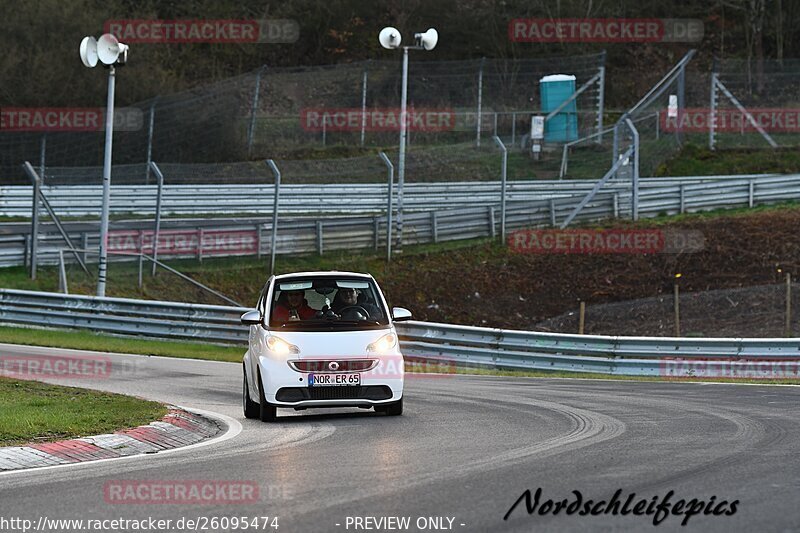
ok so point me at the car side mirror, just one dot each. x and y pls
(399, 314)
(251, 318)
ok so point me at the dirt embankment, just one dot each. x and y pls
(490, 285)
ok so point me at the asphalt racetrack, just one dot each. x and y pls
(459, 458)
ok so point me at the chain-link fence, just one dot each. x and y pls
(343, 110)
(753, 104)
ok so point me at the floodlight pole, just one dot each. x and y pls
(103, 262)
(401, 163)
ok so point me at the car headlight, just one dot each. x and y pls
(280, 346)
(384, 344)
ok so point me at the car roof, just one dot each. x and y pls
(328, 273)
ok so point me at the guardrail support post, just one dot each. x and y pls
(258, 241)
(62, 274)
(274, 240)
(503, 179)
(492, 229)
(682, 190)
(435, 227)
(552, 212)
(200, 245)
(375, 229)
(84, 245)
(389, 208)
(615, 200)
(751, 189)
(141, 267)
(319, 237)
(26, 250)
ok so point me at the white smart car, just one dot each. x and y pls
(322, 339)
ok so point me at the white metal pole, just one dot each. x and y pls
(401, 164)
(101, 278)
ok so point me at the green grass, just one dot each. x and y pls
(33, 411)
(87, 340)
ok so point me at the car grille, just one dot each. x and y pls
(297, 394)
(345, 365)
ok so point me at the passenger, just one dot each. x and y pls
(293, 306)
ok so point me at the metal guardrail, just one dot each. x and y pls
(657, 196)
(462, 345)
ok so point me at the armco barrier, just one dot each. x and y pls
(463, 345)
(659, 196)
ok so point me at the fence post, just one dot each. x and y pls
(513, 128)
(35, 226)
(492, 229)
(676, 307)
(389, 194)
(43, 155)
(788, 331)
(150, 143)
(141, 267)
(258, 241)
(503, 177)
(375, 229)
(635, 175)
(200, 245)
(751, 190)
(251, 130)
(159, 198)
(601, 85)
(319, 237)
(274, 240)
(435, 226)
(364, 104)
(581, 317)
(552, 212)
(615, 205)
(712, 123)
(681, 100)
(480, 104)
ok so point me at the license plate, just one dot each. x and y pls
(333, 380)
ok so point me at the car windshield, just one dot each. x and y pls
(326, 302)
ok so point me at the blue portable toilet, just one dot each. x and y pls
(553, 90)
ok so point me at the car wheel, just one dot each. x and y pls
(250, 407)
(266, 411)
(393, 409)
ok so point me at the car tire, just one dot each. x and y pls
(249, 406)
(266, 411)
(394, 408)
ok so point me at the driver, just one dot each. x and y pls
(295, 307)
(348, 297)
